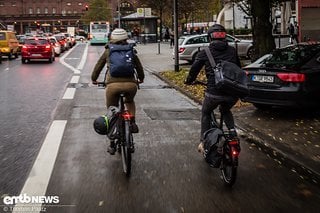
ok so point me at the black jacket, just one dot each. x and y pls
(220, 50)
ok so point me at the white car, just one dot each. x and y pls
(56, 45)
(190, 45)
(79, 38)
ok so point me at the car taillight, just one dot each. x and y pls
(292, 77)
(48, 47)
(24, 47)
(181, 49)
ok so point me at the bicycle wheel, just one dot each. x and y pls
(126, 149)
(228, 168)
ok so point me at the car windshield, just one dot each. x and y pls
(292, 56)
(36, 41)
(181, 39)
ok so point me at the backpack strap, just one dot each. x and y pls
(210, 57)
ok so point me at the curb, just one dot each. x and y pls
(277, 154)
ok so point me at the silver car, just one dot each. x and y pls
(56, 45)
(190, 45)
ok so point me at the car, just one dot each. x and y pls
(0, 57)
(37, 48)
(21, 39)
(56, 45)
(68, 39)
(9, 44)
(287, 77)
(80, 38)
(63, 41)
(190, 45)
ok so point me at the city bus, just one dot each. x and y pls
(99, 31)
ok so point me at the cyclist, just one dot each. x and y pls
(115, 85)
(213, 98)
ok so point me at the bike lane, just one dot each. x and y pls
(168, 175)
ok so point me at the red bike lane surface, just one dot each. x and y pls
(290, 137)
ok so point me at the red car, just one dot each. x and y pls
(37, 48)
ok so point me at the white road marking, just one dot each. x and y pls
(69, 93)
(38, 180)
(84, 58)
(75, 79)
(76, 71)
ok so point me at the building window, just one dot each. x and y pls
(69, 4)
(30, 10)
(38, 10)
(54, 10)
(46, 10)
(13, 4)
(69, 11)
(80, 4)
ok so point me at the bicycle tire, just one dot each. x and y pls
(228, 168)
(126, 149)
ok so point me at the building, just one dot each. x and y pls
(31, 16)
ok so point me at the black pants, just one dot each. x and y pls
(211, 102)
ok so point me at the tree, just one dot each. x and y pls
(97, 10)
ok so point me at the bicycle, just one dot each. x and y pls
(122, 134)
(228, 148)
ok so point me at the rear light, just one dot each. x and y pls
(235, 148)
(292, 77)
(48, 47)
(127, 116)
(181, 49)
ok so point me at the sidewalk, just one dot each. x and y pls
(292, 138)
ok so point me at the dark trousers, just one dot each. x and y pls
(211, 102)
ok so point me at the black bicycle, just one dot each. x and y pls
(229, 148)
(122, 134)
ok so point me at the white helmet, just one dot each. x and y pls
(119, 34)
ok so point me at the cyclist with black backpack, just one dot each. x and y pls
(213, 98)
(124, 73)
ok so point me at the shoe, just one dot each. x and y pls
(134, 127)
(112, 148)
(201, 148)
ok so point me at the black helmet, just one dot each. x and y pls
(217, 31)
(101, 125)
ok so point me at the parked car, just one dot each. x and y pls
(190, 45)
(37, 48)
(289, 76)
(80, 38)
(9, 44)
(56, 45)
(0, 57)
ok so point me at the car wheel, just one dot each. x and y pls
(10, 56)
(250, 53)
(50, 60)
(262, 106)
(23, 60)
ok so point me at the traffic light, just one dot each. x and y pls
(87, 7)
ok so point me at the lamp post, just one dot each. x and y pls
(119, 15)
(176, 45)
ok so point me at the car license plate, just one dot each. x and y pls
(36, 55)
(263, 78)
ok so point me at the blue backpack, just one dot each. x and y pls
(121, 60)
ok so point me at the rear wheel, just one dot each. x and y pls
(228, 168)
(23, 60)
(126, 149)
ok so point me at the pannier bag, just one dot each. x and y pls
(213, 142)
(106, 124)
(228, 77)
(121, 60)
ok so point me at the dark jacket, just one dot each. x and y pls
(220, 50)
(104, 59)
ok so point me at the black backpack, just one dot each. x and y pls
(121, 60)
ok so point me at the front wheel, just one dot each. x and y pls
(126, 149)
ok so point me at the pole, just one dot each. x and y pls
(176, 46)
(119, 15)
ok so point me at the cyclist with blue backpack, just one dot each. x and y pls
(124, 73)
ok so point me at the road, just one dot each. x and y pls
(168, 174)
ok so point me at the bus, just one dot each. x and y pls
(99, 31)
